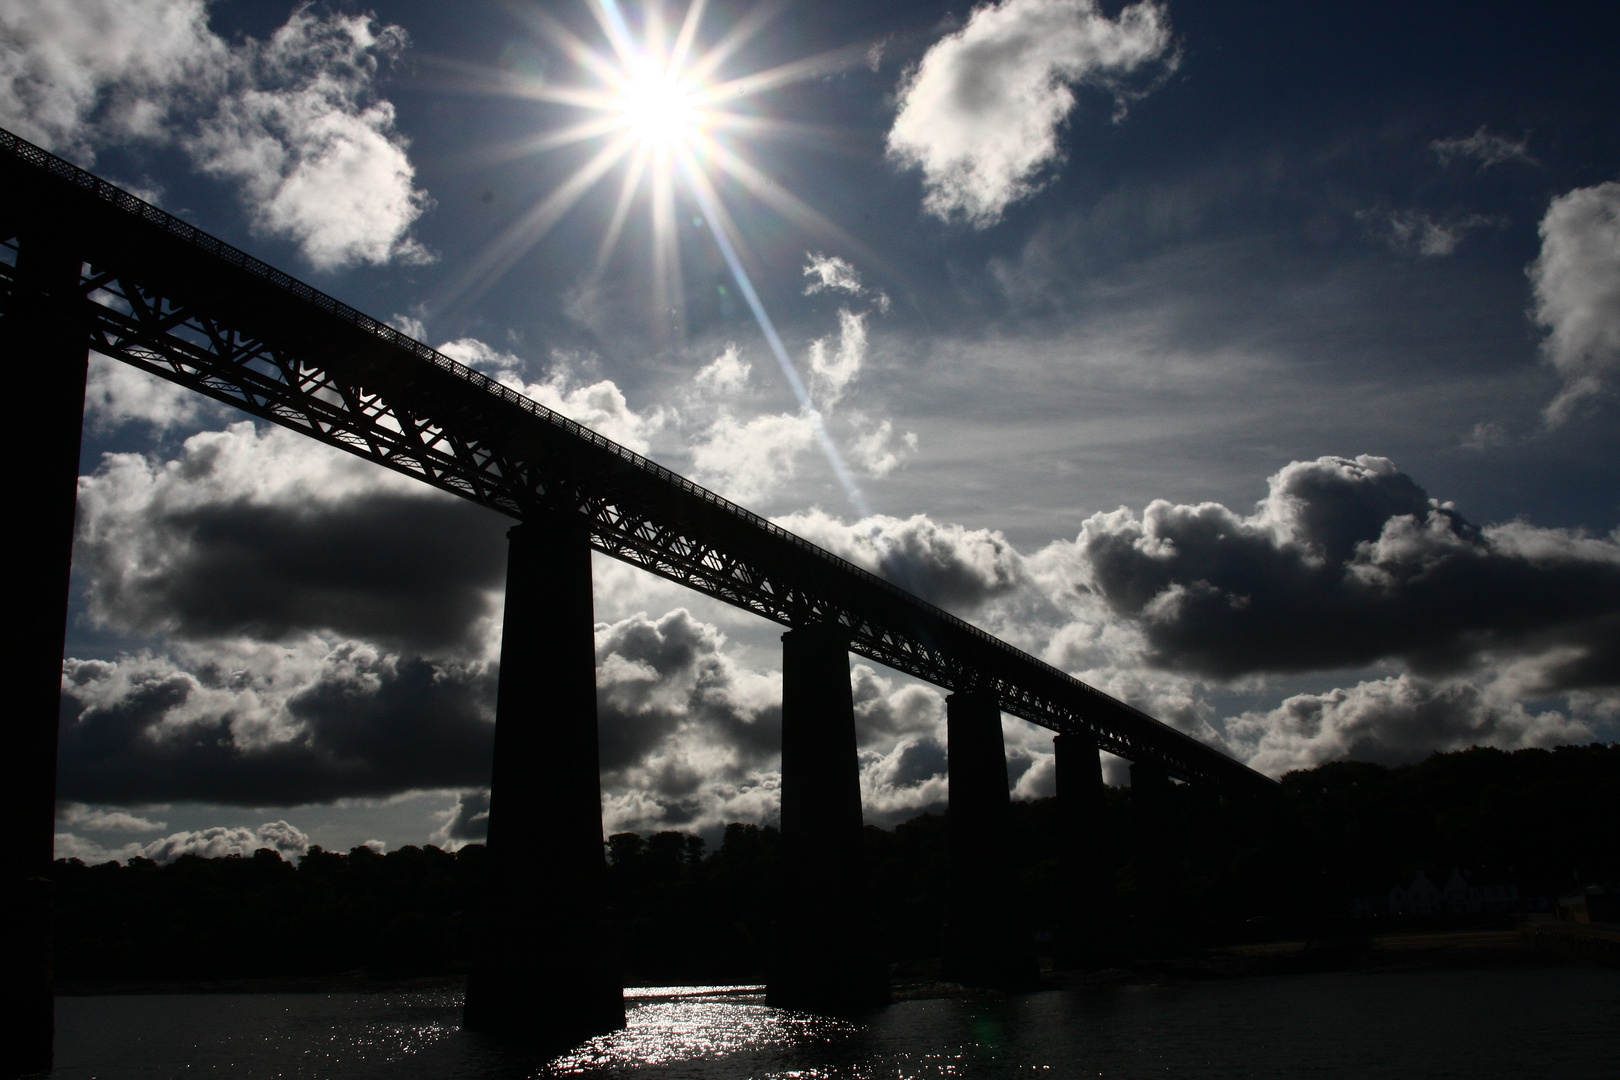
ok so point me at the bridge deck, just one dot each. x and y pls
(170, 299)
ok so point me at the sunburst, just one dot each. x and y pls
(661, 120)
(658, 112)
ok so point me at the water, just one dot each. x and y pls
(1562, 1022)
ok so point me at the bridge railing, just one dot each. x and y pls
(115, 196)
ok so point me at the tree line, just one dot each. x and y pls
(679, 912)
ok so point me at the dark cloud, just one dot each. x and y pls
(468, 819)
(393, 568)
(269, 535)
(145, 730)
(1346, 563)
(657, 679)
(883, 713)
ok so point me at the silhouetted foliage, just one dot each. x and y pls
(1542, 819)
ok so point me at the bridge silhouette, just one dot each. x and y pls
(86, 266)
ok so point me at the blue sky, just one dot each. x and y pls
(1254, 362)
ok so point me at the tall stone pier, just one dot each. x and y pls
(1087, 931)
(987, 939)
(544, 972)
(44, 338)
(1155, 853)
(823, 957)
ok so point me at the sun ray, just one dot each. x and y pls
(621, 209)
(514, 242)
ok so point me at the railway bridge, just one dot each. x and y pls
(86, 266)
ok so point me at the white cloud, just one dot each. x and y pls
(1483, 147)
(945, 563)
(830, 273)
(879, 451)
(600, 406)
(747, 460)
(294, 121)
(1393, 720)
(285, 840)
(78, 74)
(833, 369)
(1577, 293)
(409, 325)
(725, 374)
(1410, 231)
(116, 394)
(980, 115)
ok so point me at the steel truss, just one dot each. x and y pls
(174, 301)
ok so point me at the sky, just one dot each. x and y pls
(1254, 362)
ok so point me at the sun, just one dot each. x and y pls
(659, 109)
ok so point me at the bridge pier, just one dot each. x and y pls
(823, 958)
(1155, 852)
(45, 334)
(544, 972)
(987, 941)
(1086, 934)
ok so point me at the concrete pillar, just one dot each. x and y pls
(987, 939)
(545, 972)
(1087, 930)
(1155, 852)
(823, 958)
(44, 342)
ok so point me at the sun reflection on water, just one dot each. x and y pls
(674, 1024)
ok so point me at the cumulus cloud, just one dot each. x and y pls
(1413, 232)
(947, 564)
(293, 121)
(285, 840)
(690, 738)
(746, 460)
(1484, 147)
(116, 394)
(1391, 721)
(600, 406)
(980, 115)
(1348, 562)
(724, 375)
(1576, 279)
(880, 451)
(269, 534)
(249, 724)
(832, 369)
(74, 75)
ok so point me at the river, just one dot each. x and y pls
(1554, 1022)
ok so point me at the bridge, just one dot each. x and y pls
(86, 266)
